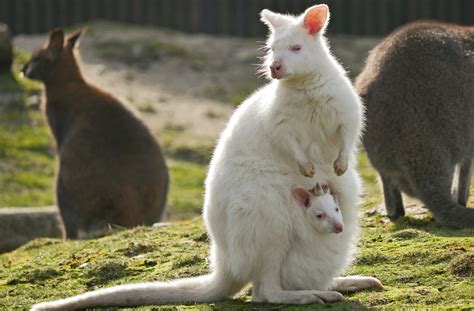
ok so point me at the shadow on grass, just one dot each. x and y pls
(429, 225)
(242, 304)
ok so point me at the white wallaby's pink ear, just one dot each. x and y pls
(302, 196)
(316, 19)
(273, 20)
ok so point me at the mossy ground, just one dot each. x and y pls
(421, 264)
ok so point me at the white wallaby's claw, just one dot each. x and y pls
(307, 169)
(340, 166)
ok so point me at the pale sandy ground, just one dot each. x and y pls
(184, 92)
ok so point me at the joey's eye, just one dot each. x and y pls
(319, 215)
(295, 48)
(337, 209)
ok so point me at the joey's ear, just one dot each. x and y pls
(325, 188)
(302, 196)
(56, 40)
(318, 190)
(316, 19)
(274, 20)
(72, 39)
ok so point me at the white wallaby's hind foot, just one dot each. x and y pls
(354, 283)
(299, 297)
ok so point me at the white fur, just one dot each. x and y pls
(328, 211)
(257, 235)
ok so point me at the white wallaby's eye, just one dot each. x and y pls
(337, 209)
(319, 216)
(295, 48)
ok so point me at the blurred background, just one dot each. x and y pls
(228, 17)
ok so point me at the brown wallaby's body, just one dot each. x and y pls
(418, 85)
(111, 169)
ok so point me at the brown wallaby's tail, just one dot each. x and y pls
(206, 288)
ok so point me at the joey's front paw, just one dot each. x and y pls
(307, 169)
(340, 166)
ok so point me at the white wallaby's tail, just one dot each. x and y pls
(206, 288)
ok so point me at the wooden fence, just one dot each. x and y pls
(230, 17)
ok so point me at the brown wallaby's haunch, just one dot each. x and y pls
(111, 169)
(418, 85)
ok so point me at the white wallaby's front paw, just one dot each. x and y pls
(306, 169)
(340, 166)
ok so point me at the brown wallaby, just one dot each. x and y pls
(418, 85)
(111, 169)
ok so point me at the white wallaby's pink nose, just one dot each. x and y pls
(338, 227)
(276, 69)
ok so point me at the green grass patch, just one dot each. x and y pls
(26, 158)
(26, 149)
(185, 198)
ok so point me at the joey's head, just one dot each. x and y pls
(321, 208)
(296, 44)
(55, 56)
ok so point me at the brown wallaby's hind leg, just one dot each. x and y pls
(68, 210)
(464, 181)
(393, 199)
(434, 189)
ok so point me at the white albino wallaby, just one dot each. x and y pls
(307, 117)
(321, 208)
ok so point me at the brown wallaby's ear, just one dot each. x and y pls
(72, 39)
(56, 40)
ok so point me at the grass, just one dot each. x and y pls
(26, 158)
(26, 149)
(421, 264)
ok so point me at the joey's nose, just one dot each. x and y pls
(276, 69)
(338, 227)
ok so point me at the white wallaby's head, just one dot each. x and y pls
(296, 45)
(321, 208)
